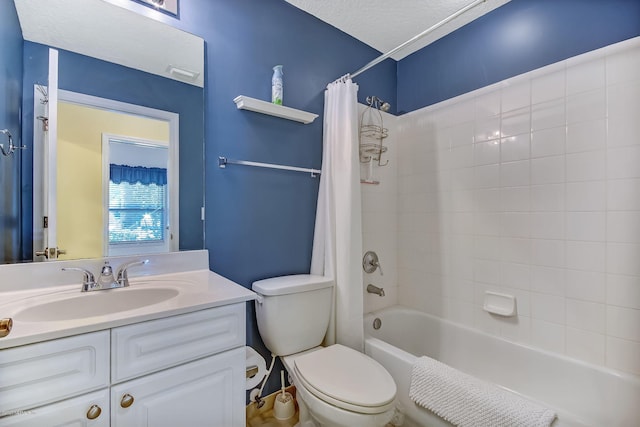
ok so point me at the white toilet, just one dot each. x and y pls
(336, 385)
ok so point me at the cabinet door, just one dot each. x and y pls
(204, 393)
(38, 374)
(68, 413)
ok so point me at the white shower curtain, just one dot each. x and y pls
(337, 242)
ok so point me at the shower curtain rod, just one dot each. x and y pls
(416, 38)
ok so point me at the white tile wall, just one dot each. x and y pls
(529, 187)
(381, 204)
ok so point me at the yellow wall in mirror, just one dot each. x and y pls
(80, 213)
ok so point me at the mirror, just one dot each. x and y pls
(162, 70)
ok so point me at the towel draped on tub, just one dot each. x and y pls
(466, 401)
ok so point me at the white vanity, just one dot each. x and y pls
(166, 351)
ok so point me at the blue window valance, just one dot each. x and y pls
(135, 174)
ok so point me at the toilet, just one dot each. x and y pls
(336, 385)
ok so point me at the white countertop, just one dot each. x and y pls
(196, 290)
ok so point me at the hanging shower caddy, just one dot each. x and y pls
(372, 133)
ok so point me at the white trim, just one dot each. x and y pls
(105, 193)
(133, 140)
(51, 154)
(38, 196)
(42, 175)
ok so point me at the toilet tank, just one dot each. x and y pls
(293, 311)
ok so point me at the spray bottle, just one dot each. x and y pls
(276, 85)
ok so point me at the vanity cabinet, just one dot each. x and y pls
(200, 393)
(180, 370)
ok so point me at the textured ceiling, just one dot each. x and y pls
(111, 33)
(386, 24)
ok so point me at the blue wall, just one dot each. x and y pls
(516, 38)
(79, 73)
(10, 104)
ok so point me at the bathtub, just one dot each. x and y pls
(581, 394)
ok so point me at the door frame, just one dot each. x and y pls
(173, 120)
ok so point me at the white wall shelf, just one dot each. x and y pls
(258, 106)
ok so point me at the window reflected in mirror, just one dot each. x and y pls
(138, 196)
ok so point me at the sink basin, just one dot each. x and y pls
(96, 303)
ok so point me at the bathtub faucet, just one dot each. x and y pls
(371, 263)
(372, 289)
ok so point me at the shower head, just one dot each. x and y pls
(378, 103)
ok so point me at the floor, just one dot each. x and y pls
(263, 417)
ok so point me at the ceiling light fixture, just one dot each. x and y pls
(182, 73)
(165, 6)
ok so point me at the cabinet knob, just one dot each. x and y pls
(5, 326)
(94, 412)
(126, 401)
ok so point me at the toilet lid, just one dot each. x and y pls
(348, 378)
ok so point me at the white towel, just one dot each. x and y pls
(467, 401)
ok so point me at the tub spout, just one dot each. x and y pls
(372, 289)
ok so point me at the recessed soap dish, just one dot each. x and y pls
(500, 304)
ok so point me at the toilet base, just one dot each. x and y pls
(304, 418)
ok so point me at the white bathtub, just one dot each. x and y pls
(580, 393)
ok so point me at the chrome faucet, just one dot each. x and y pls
(106, 279)
(372, 289)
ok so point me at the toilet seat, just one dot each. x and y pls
(346, 379)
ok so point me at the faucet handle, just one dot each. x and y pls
(89, 280)
(122, 277)
(371, 263)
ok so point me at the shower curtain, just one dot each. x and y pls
(337, 243)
